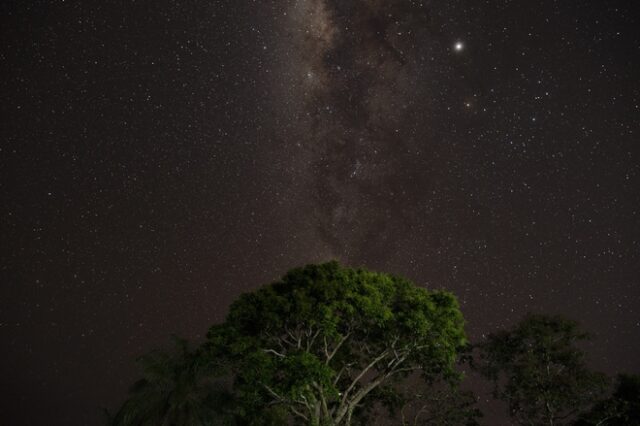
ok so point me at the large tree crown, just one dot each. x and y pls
(336, 299)
(324, 338)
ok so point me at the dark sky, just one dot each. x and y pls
(159, 158)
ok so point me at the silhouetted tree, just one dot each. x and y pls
(538, 370)
(177, 389)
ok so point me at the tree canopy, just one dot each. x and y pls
(320, 344)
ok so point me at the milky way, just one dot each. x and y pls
(361, 88)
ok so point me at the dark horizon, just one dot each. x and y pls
(158, 160)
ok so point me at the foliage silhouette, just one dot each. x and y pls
(621, 409)
(176, 389)
(538, 370)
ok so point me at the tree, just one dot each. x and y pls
(325, 343)
(621, 409)
(177, 389)
(539, 372)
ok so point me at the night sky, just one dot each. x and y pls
(159, 158)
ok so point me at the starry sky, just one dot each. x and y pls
(157, 159)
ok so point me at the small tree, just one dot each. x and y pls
(539, 372)
(177, 389)
(324, 342)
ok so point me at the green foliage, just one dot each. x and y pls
(621, 409)
(538, 370)
(319, 342)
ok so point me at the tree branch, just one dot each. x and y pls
(298, 413)
(336, 348)
(362, 373)
(311, 340)
(276, 353)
